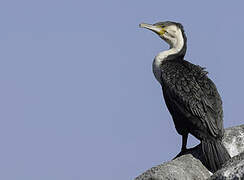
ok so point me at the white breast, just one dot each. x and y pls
(156, 70)
(158, 61)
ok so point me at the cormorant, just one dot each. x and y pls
(190, 96)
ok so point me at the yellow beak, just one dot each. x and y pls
(157, 29)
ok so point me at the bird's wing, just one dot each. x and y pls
(186, 95)
(214, 98)
(210, 92)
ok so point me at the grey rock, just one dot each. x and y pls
(232, 170)
(188, 165)
(185, 167)
(234, 140)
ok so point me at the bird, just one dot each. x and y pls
(190, 95)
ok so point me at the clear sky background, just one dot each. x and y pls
(78, 99)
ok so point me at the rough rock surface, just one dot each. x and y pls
(184, 168)
(188, 165)
(232, 170)
(234, 140)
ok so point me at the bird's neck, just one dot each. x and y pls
(162, 56)
(176, 50)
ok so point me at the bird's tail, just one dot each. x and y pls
(215, 154)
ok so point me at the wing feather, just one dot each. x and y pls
(187, 94)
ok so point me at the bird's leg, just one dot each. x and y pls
(184, 142)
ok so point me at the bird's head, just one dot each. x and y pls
(171, 32)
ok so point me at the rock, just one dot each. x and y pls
(188, 165)
(184, 167)
(234, 140)
(232, 170)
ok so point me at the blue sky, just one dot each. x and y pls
(78, 98)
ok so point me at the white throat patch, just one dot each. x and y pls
(176, 43)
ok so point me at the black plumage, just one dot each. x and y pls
(189, 93)
(196, 107)
(193, 101)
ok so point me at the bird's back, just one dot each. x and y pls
(192, 99)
